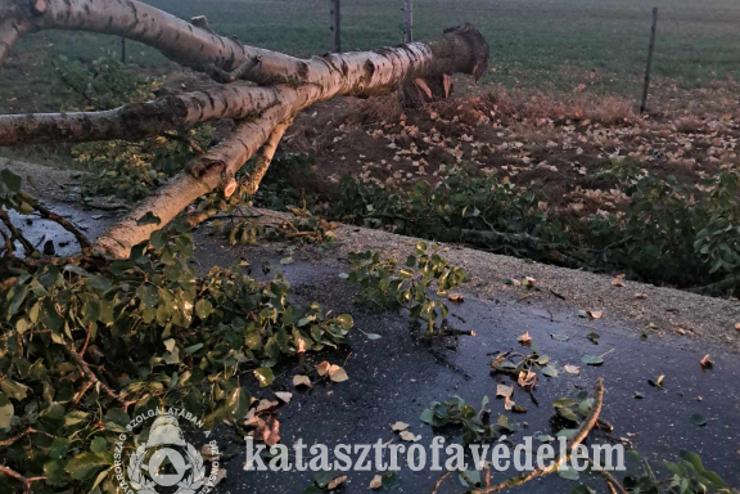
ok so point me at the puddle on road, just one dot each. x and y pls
(40, 231)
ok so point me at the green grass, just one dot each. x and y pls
(548, 44)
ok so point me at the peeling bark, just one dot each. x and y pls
(278, 88)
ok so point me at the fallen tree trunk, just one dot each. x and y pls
(279, 87)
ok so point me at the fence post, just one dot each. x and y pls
(123, 49)
(336, 24)
(643, 104)
(408, 21)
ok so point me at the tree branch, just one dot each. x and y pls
(580, 436)
(263, 111)
(138, 120)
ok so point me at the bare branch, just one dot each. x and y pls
(267, 153)
(138, 120)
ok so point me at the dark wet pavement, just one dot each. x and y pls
(396, 377)
(40, 231)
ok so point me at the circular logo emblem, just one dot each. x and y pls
(166, 463)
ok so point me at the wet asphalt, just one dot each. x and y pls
(394, 378)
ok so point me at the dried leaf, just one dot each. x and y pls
(323, 368)
(572, 369)
(337, 374)
(706, 362)
(527, 379)
(336, 482)
(525, 339)
(302, 380)
(595, 314)
(376, 483)
(409, 436)
(399, 426)
(284, 396)
(455, 298)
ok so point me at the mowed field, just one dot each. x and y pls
(543, 44)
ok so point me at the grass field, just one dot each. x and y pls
(547, 44)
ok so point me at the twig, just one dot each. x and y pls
(11, 440)
(27, 481)
(64, 223)
(15, 233)
(441, 480)
(580, 436)
(614, 485)
(91, 376)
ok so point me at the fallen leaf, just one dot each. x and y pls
(336, 482)
(592, 359)
(550, 371)
(658, 381)
(455, 298)
(284, 396)
(302, 380)
(323, 368)
(399, 426)
(376, 483)
(706, 362)
(505, 392)
(737, 326)
(265, 405)
(337, 374)
(409, 436)
(572, 369)
(595, 314)
(527, 379)
(698, 420)
(618, 281)
(640, 296)
(525, 339)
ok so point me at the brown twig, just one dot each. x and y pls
(64, 223)
(614, 485)
(580, 436)
(441, 480)
(15, 233)
(27, 481)
(92, 377)
(12, 440)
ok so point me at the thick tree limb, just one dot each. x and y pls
(138, 120)
(262, 113)
(206, 173)
(203, 50)
(252, 182)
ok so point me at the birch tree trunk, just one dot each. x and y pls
(261, 90)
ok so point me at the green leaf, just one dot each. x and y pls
(698, 420)
(14, 389)
(7, 412)
(264, 376)
(85, 465)
(203, 308)
(592, 360)
(149, 219)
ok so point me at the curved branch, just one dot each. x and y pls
(579, 437)
(252, 181)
